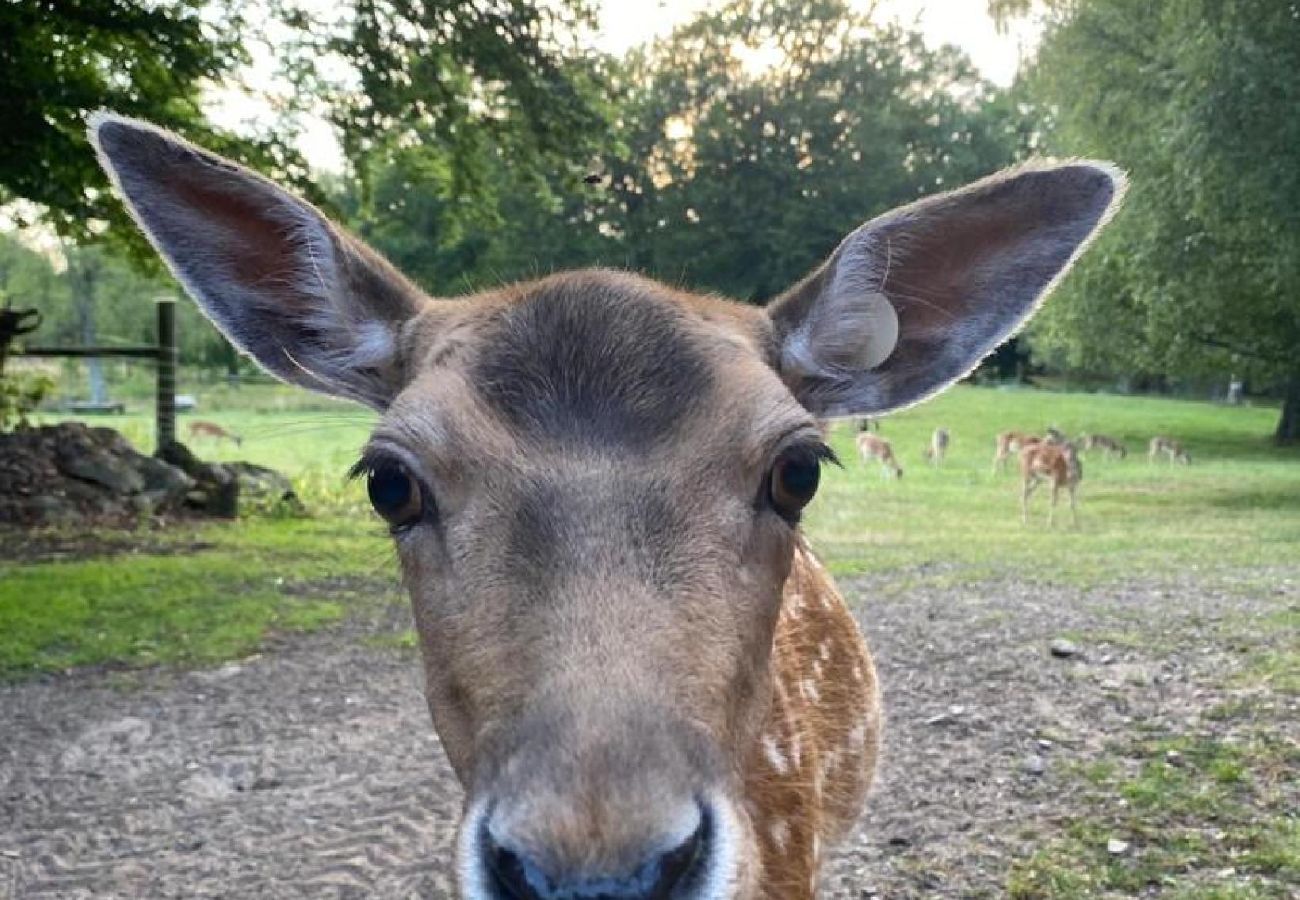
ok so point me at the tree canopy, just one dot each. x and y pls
(1201, 272)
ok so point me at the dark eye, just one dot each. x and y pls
(394, 494)
(794, 481)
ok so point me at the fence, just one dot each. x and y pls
(164, 354)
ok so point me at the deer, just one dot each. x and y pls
(1171, 448)
(640, 672)
(872, 447)
(1057, 463)
(938, 448)
(1008, 443)
(1109, 446)
(200, 428)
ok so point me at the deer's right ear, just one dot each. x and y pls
(312, 305)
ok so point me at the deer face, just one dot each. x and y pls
(608, 477)
(594, 483)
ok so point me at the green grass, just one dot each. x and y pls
(1203, 818)
(187, 606)
(1235, 509)
(1236, 506)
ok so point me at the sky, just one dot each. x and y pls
(627, 23)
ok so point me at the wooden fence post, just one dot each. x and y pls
(165, 407)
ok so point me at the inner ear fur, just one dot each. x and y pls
(313, 305)
(962, 271)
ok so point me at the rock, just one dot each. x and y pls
(1116, 847)
(1034, 764)
(265, 489)
(101, 468)
(1063, 649)
(216, 491)
(164, 478)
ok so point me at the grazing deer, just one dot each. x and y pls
(638, 669)
(213, 430)
(1008, 443)
(1057, 463)
(871, 447)
(1172, 450)
(1110, 448)
(938, 448)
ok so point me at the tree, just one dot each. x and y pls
(64, 60)
(1201, 272)
(472, 78)
(739, 175)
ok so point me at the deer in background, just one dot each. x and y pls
(201, 428)
(1171, 449)
(638, 669)
(1009, 443)
(1057, 463)
(872, 447)
(938, 448)
(1110, 448)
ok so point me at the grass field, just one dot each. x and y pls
(1236, 509)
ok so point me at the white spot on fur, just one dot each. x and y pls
(857, 672)
(824, 650)
(817, 670)
(796, 749)
(858, 736)
(775, 758)
(809, 690)
(780, 832)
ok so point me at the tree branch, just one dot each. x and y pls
(1239, 350)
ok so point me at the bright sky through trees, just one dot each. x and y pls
(627, 23)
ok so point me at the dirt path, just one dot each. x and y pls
(312, 771)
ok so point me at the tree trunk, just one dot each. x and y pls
(1288, 425)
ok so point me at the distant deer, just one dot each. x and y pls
(641, 674)
(871, 447)
(213, 430)
(1110, 448)
(1172, 450)
(938, 448)
(1009, 443)
(1054, 435)
(1057, 463)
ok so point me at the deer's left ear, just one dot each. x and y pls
(914, 299)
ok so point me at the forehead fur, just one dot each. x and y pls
(598, 358)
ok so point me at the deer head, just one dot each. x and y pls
(594, 481)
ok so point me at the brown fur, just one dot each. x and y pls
(871, 447)
(642, 677)
(1170, 448)
(938, 448)
(1057, 463)
(1009, 443)
(213, 430)
(1109, 446)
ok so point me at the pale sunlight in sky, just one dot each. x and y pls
(627, 23)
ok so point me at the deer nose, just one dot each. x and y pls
(662, 874)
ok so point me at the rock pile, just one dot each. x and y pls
(73, 473)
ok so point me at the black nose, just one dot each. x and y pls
(663, 875)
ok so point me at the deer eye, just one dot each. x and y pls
(794, 479)
(394, 494)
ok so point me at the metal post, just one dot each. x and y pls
(165, 408)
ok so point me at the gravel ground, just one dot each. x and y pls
(311, 770)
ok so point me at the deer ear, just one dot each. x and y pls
(312, 305)
(914, 299)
